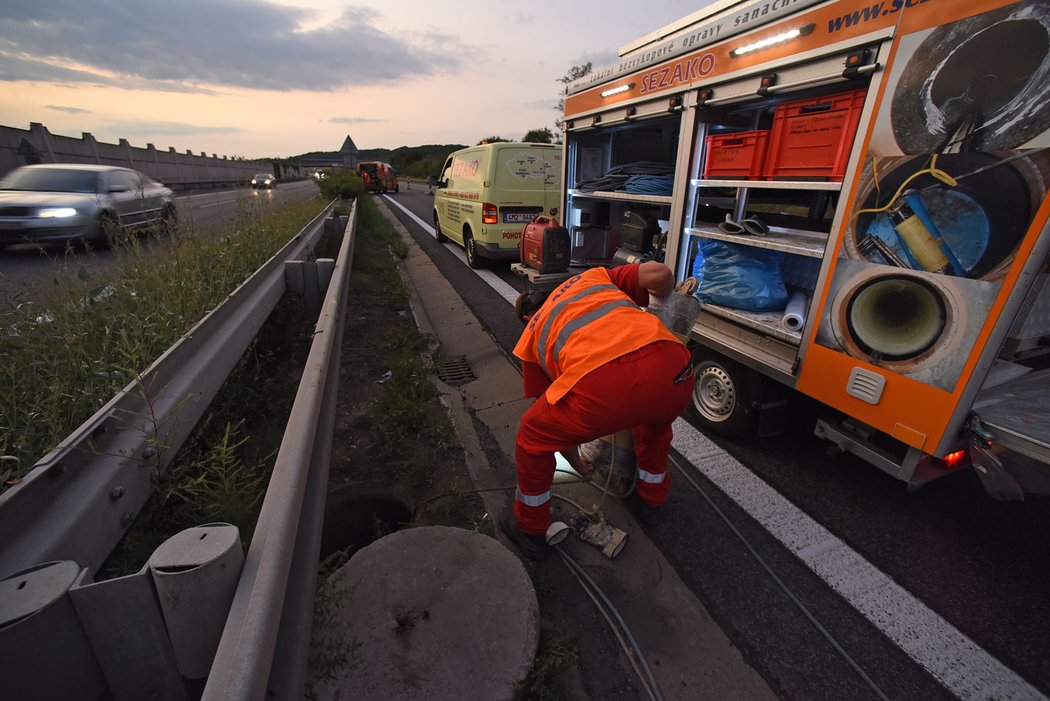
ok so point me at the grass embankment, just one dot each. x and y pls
(60, 360)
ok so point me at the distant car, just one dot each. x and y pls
(74, 202)
(267, 180)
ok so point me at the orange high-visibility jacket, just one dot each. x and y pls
(584, 324)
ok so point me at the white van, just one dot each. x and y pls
(487, 194)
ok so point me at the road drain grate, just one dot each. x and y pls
(455, 371)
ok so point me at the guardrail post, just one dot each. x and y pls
(196, 573)
(45, 652)
(124, 624)
(310, 279)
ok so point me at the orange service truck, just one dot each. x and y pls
(379, 177)
(857, 191)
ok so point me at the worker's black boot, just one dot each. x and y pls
(533, 547)
(646, 515)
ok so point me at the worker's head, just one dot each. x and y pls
(528, 302)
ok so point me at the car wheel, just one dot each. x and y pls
(473, 259)
(441, 238)
(721, 400)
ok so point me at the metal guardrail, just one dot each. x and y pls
(65, 636)
(81, 498)
(273, 606)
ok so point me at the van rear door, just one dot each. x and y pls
(528, 180)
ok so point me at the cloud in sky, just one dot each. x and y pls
(356, 120)
(236, 43)
(278, 77)
(70, 110)
(168, 129)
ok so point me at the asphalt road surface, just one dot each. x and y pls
(833, 579)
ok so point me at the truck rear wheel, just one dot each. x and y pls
(722, 396)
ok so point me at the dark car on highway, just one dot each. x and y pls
(75, 202)
(266, 180)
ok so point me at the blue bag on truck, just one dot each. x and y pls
(740, 277)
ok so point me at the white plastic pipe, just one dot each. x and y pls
(795, 312)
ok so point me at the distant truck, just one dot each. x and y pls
(379, 177)
(488, 193)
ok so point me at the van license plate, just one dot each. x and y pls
(517, 217)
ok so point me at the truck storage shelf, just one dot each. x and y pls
(1017, 413)
(769, 323)
(771, 184)
(795, 241)
(622, 196)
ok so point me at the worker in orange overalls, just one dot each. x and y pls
(597, 364)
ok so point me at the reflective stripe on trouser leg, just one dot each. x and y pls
(651, 477)
(534, 456)
(651, 445)
(538, 500)
(532, 510)
(533, 513)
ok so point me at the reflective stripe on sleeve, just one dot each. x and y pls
(651, 478)
(538, 500)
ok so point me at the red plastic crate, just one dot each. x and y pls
(739, 155)
(813, 138)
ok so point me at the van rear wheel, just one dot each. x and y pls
(441, 238)
(473, 259)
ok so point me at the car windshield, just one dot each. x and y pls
(50, 180)
(262, 175)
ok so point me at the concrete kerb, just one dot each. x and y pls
(439, 311)
(689, 654)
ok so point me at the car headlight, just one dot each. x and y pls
(56, 212)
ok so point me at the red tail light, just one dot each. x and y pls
(951, 461)
(488, 213)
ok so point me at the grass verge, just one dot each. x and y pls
(97, 329)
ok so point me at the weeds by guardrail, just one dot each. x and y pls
(62, 359)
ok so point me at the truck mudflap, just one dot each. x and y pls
(1016, 414)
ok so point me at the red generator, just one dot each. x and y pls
(544, 246)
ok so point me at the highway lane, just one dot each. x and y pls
(26, 269)
(935, 593)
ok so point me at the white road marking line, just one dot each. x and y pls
(502, 288)
(956, 661)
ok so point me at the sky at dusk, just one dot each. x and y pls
(262, 79)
